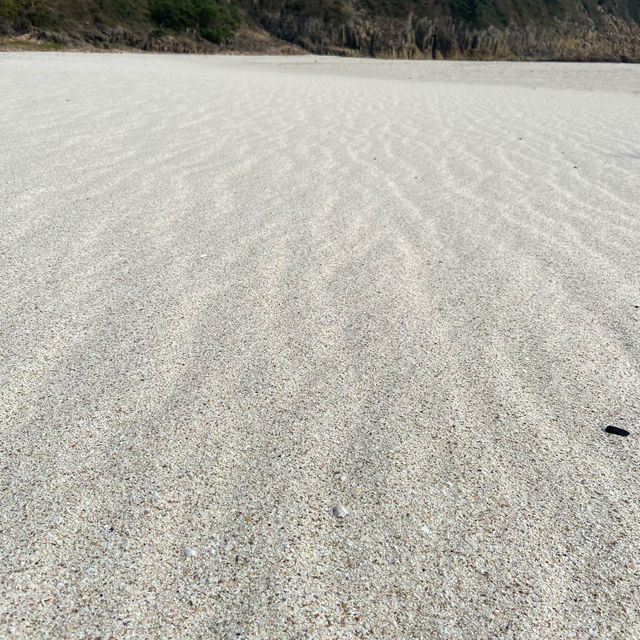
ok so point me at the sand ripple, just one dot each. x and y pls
(237, 292)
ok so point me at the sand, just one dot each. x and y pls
(238, 293)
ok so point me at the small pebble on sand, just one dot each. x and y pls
(340, 511)
(190, 553)
(617, 431)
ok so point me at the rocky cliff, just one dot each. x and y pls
(588, 30)
(599, 31)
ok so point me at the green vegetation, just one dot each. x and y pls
(214, 20)
(23, 13)
(367, 27)
(8, 8)
(485, 13)
(333, 12)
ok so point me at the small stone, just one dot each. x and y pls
(425, 530)
(190, 553)
(617, 431)
(340, 511)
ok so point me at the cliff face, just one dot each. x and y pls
(431, 29)
(596, 32)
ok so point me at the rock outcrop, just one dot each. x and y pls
(589, 30)
(605, 38)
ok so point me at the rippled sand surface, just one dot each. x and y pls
(237, 292)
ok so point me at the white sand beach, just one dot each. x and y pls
(238, 292)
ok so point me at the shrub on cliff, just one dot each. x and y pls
(214, 20)
(21, 14)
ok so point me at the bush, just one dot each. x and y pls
(8, 9)
(214, 20)
(24, 14)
